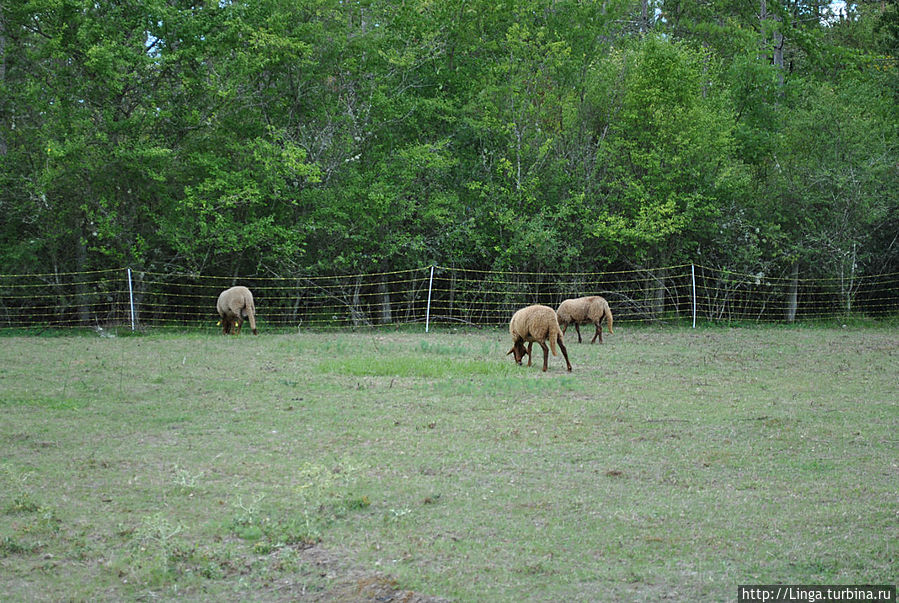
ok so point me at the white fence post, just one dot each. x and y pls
(428, 309)
(693, 276)
(131, 298)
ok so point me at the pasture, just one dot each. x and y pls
(331, 466)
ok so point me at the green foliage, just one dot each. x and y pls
(668, 151)
(323, 136)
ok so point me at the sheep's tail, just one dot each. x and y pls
(251, 313)
(556, 333)
(609, 318)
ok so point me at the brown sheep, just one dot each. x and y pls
(233, 305)
(536, 323)
(585, 310)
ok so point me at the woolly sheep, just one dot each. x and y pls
(585, 310)
(233, 305)
(536, 323)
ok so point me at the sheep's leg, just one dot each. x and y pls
(239, 322)
(530, 347)
(564, 353)
(226, 326)
(545, 355)
(578, 329)
(598, 333)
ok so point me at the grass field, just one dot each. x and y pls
(671, 463)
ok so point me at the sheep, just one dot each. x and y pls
(536, 323)
(233, 305)
(584, 310)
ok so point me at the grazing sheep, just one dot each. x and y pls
(233, 305)
(585, 310)
(536, 323)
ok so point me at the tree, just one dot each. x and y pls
(667, 156)
(838, 172)
(84, 173)
(804, 135)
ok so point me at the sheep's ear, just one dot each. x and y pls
(510, 351)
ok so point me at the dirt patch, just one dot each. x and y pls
(349, 584)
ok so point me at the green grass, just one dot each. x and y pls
(335, 465)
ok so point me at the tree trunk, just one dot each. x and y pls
(778, 45)
(81, 290)
(356, 309)
(644, 16)
(386, 316)
(655, 294)
(452, 292)
(792, 293)
(778, 60)
(847, 283)
(2, 71)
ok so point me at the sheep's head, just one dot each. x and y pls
(518, 350)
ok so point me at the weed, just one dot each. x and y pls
(22, 503)
(269, 535)
(249, 513)
(357, 503)
(11, 546)
(321, 491)
(14, 482)
(156, 533)
(155, 550)
(322, 499)
(184, 479)
(396, 514)
(193, 560)
(319, 485)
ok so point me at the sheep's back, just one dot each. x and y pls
(232, 301)
(566, 310)
(593, 309)
(575, 310)
(534, 323)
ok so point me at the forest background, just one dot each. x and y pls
(284, 137)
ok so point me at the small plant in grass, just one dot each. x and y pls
(248, 514)
(324, 493)
(161, 555)
(267, 534)
(156, 535)
(323, 497)
(22, 503)
(185, 480)
(247, 524)
(396, 515)
(193, 560)
(11, 546)
(14, 546)
(35, 524)
(13, 484)
(154, 542)
(156, 529)
(357, 503)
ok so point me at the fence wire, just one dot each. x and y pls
(437, 295)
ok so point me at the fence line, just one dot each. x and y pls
(432, 295)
